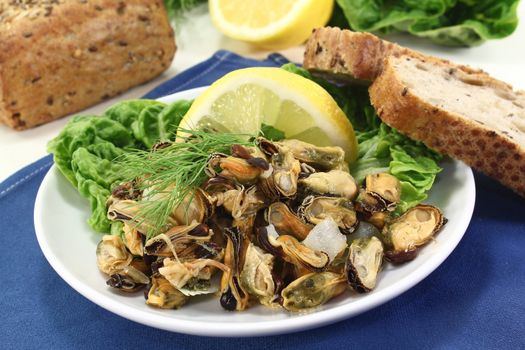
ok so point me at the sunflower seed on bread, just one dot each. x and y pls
(466, 115)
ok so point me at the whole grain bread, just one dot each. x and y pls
(459, 112)
(60, 56)
(343, 55)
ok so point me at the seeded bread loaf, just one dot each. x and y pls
(466, 115)
(343, 55)
(60, 56)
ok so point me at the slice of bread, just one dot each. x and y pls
(343, 55)
(460, 112)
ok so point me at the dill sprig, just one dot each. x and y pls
(170, 174)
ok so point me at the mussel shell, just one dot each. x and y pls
(415, 228)
(365, 257)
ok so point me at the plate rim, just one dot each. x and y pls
(302, 322)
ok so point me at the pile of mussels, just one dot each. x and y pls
(284, 222)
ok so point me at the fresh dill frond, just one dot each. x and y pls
(170, 174)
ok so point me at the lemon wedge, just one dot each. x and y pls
(245, 99)
(273, 24)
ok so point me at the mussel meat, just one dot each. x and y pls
(312, 290)
(415, 228)
(256, 275)
(112, 255)
(341, 210)
(291, 250)
(177, 239)
(133, 239)
(385, 185)
(382, 192)
(286, 171)
(323, 158)
(162, 294)
(233, 295)
(191, 277)
(365, 257)
(285, 222)
(128, 279)
(336, 183)
(234, 168)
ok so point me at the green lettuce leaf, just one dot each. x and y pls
(446, 22)
(86, 148)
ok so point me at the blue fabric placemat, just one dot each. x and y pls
(474, 300)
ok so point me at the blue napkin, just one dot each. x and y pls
(474, 300)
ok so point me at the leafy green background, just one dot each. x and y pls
(445, 22)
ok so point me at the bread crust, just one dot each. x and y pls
(450, 133)
(343, 55)
(59, 57)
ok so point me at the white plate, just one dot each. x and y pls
(69, 246)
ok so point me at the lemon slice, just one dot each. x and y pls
(243, 100)
(272, 24)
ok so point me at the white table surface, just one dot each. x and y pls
(197, 40)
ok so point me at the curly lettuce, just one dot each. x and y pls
(445, 22)
(86, 148)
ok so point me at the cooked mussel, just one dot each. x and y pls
(312, 290)
(323, 158)
(128, 279)
(415, 228)
(382, 192)
(341, 210)
(291, 250)
(233, 295)
(112, 255)
(285, 222)
(336, 183)
(385, 185)
(234, 168)
(162, 294)
(177, 239)
(240, 202)
(286, 171)
(133, 239)
(256, 275)
(365, 257)
(191, 277)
